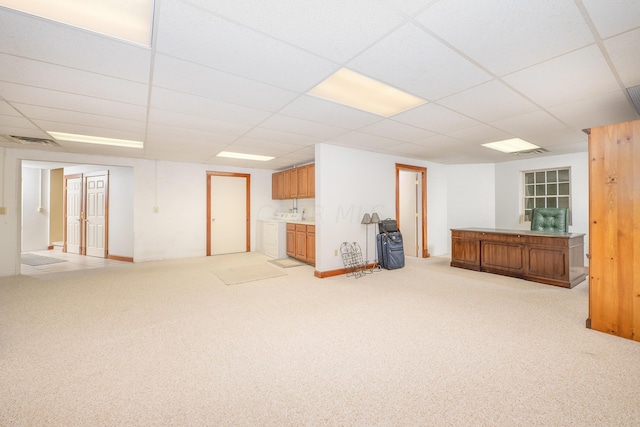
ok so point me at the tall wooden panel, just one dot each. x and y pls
(614, 229)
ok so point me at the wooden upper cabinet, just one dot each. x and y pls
(294, 183)
(286, 193)
(277, 186)
(311, 180)
(303, 191)
(293, 189)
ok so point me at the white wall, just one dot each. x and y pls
(350, 183)
(509, 190)
(471, 196)
(35, 209)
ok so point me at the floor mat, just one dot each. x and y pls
(286, 262)
(248, 273)
(36, 260)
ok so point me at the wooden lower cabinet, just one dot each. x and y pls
(291, 240)
(301, 242)
(551, 258)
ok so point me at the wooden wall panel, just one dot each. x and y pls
(614, 229)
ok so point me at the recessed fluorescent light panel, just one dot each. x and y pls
(87, 139)
(124, 19)
(355, 90)
(511, 145)
(244, 156)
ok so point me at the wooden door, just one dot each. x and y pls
(97, 196)
(73, 214)
(228, 213)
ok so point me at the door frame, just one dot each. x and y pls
(423, 174)
(248, 205)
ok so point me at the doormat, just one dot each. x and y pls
(35, 260)
(247, 273)
(286, 262)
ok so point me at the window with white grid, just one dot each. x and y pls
(548, 188)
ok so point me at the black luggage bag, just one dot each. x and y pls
(390, 250)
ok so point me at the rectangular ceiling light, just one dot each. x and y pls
(244, 156)
(355, 90)
(124, 19)
(511, 145)
(87, 139)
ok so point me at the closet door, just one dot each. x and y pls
(96, 215)
(73, 214)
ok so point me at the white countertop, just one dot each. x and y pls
(310, 221)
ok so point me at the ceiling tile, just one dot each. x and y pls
(489, 102)
(135, 135)
(28, 36)
(624, 51)
(555, 140)
(396, 130)
(171, 118)
(169, 100)
(260, 147)
(480, 134)
(435, 118)
(50, 76)
(613, 16)
(580, 74)
(419, 64)
(189, 32)
(529, 123)
(322, 111)
(303, 127)
(71, 102)
(74, 117)
(363, 140)
(183, 76)
(280, 136)
(169, 135)
(597, 111)
(8, 110)
(508, 35)
(334, 29)
(16, 122)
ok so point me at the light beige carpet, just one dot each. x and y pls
(248, 273)
(166, 343)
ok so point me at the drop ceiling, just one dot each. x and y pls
(233, 75)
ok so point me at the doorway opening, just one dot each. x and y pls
(411, 208)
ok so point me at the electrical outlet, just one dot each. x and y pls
(156, 209)
(3, 211)
(335, 252)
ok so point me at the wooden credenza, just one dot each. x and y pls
(552, 258)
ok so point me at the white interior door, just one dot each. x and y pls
(73, 219)
(410, 211)
(228, 195)
(96, 213)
